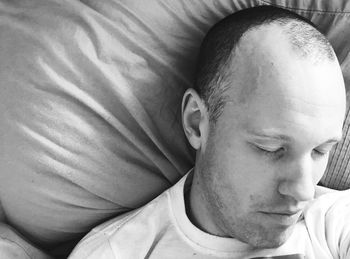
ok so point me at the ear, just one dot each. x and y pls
(195, 119)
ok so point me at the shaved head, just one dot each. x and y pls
(232, 41)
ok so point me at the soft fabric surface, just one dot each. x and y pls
(90, 103)
(161, 229)
(12, 245)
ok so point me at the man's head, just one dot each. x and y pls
(270, 105)
(214, 68)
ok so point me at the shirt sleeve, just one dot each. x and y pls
(95, 248)
(338, 227)
(328, 223)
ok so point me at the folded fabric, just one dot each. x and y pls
(90, 95)
(13, 245)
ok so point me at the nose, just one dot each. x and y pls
(298, 181)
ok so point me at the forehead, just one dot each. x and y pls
(277, 89)
(258, 61)
(294, 117)
(302, 122)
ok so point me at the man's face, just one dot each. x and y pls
(263, 158)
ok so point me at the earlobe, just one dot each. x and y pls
(194, 116)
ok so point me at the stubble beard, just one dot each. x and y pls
(245, 228)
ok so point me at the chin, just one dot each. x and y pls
(270, 238)
(271, 243)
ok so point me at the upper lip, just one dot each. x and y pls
(284, 212)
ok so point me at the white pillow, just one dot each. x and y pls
(90, 103)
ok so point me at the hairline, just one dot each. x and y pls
(225, 66)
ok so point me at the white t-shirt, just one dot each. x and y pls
(161, 229)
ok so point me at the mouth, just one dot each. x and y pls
(284, 218)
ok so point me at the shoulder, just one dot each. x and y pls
(131, 229)
(327, 219)
(329, 206)
(329, 201)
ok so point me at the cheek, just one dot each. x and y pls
(246, 168)
(247, 181)
(242, 177)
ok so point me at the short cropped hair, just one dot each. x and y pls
(212, 74)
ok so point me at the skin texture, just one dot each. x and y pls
(258, 166)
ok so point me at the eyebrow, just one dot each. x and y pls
(271, 135)
(286, 138)
(332, 141)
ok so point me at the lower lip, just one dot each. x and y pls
(282, 219)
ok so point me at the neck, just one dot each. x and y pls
(196, 208)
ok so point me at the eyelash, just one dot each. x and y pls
(277, 153)
(270, 153)
(319, 153)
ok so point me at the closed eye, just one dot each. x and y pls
(320, 153)
(270, 151)
(323, 150)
